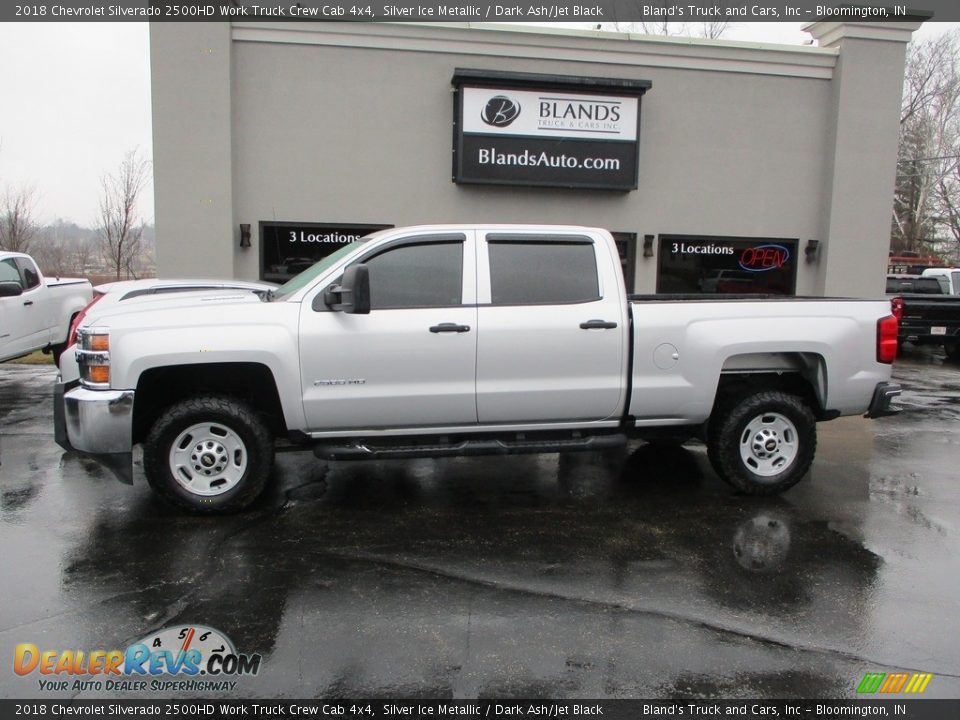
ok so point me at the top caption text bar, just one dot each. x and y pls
(591, 11)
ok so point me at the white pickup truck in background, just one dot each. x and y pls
(36, 312)
(457, 340)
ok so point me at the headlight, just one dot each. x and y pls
(93, 357)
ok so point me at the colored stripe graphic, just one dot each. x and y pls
(922, 682)
(894, 683)
(870, 683)
(889, 682)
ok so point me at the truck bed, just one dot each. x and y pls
(682, 343)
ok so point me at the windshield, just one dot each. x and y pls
(298, 282)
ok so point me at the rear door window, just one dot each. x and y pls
(543, 272)
(29, 272)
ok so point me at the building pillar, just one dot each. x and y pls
(862, 152)
(192, 149)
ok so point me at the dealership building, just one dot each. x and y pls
(719, 166)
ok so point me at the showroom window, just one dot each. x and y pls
(542, 272)
(411, 276)
(726, 265)
(288, 248)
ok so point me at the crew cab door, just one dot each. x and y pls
(410, 362)
(553, 329)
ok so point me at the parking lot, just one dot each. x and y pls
(633, 574)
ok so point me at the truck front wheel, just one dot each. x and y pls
(763, 444)
(209, 455)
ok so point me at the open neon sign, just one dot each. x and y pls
(764, 258)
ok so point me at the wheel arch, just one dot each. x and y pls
(798, 373)
(160, 387)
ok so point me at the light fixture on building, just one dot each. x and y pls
(244, 235)
(811, 250)
(648, 245)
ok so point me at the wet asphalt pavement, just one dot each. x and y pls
(636, 575)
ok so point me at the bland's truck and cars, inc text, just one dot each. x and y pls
(456, 340)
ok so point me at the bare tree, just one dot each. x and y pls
(52, 254)
(671, 28)
(55, 247)
(120, 230)
(84, 253)
(928, 173)
(661, 28)
(714, 30)
(17, 224)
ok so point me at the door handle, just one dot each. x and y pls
(449, 327)
(29, 302)
(597, 325)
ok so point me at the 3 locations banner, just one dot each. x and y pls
(289, 248)
(590, 11)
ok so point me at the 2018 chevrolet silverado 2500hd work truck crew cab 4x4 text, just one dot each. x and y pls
(35, 312)
(451, 340)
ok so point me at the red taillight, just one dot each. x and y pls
(896, 307)
(887, 329)
(72, 335)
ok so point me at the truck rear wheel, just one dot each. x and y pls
(209, 455)
(763, 444)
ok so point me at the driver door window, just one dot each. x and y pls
(9, 272)
(417, 276)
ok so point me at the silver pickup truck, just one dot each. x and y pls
(464, 339)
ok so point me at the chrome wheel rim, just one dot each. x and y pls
(208, 459)
(769, 445)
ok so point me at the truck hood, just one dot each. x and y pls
(182, 305)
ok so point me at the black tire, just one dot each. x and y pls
(953, 351)
(763, 444)
(232, 453)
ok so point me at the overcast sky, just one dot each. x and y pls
(77, 98)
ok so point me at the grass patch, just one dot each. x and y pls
(34, 358)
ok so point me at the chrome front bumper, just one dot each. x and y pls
(98, 423)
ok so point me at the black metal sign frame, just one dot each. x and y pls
(527, 151)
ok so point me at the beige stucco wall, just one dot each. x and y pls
(352, 123)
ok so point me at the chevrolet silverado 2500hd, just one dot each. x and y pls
(35, 312)
(451, 340)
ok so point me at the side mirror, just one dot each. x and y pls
(11, 288)
(352, 295)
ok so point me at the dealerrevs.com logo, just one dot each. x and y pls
(183, 658)
(500, 111)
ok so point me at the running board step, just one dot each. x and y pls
(469, 447)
